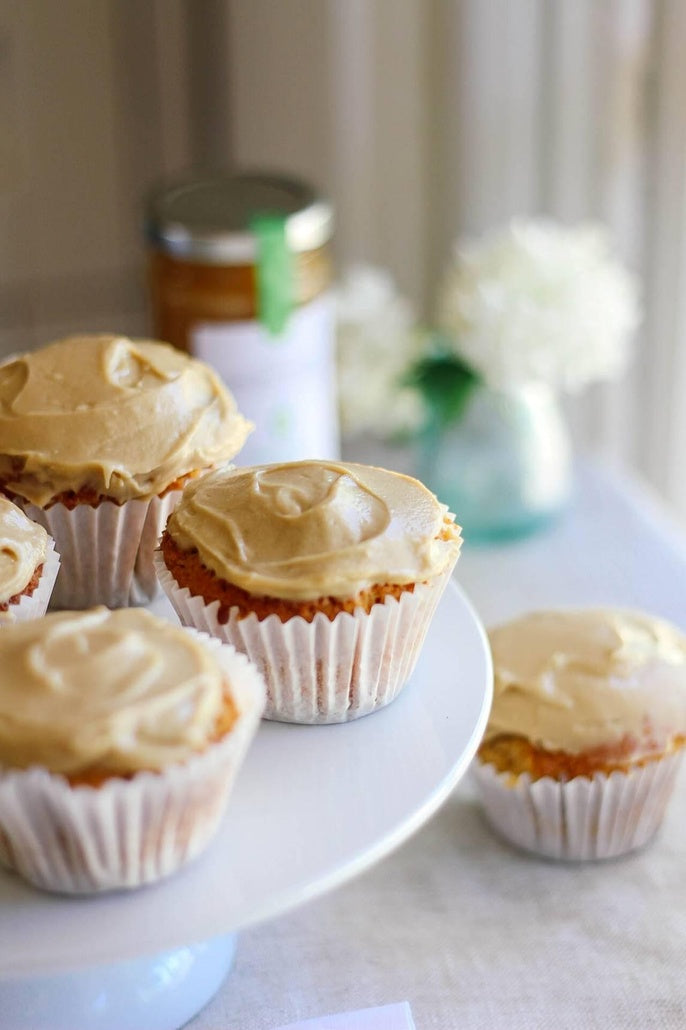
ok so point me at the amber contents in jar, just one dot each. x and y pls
(184, 292)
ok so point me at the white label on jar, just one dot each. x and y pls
(285, 384)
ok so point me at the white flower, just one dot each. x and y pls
(538, 301)
(377, 340)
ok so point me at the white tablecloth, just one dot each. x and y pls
(475, 935)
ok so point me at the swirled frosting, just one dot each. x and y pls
(117, 690)
(23, 546)
(572, 680)
(122, 417)
(310, 529)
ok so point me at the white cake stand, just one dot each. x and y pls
(313, 806)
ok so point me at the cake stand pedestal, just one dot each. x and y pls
(162, 992)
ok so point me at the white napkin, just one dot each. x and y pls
(384, 1017)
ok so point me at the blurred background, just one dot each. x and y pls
(421, 120)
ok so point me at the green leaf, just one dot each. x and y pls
(445, 382)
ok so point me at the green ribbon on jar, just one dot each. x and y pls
(274, 274)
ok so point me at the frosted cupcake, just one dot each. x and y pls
(98, 434)
(28, 566)
(586, 732)
(325, 574)
(120, 738)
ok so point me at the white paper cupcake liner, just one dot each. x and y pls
(126, 833)
(35, 605)
(323, 671)
(106, 551)
(596, 817)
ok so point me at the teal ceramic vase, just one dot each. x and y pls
(504, 467)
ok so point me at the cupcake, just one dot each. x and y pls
(586, 731)
(98, 434)
(28, 566)
(120, 738)
(325, 574)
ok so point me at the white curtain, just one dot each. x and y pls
(422, 119)
(427, 120)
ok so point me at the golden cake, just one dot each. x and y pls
(586, 730)
(120, 738)
(326, 574)
(28, 565)
(98, 433)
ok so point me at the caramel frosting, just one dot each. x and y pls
(23, 546)
(574, 680)
(311, 529)
(123, 418)
(116, 690)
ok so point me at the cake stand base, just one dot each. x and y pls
(160, 992)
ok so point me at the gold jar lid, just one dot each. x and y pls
(208, 219)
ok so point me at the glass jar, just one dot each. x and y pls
(504, 467)
(240, 271)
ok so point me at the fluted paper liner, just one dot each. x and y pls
(126, 833)
(596, 817)
(106, 551)
(323, 671)
(33, 606)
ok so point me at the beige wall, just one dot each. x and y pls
(92, 111)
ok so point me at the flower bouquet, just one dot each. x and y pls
(525, 313)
